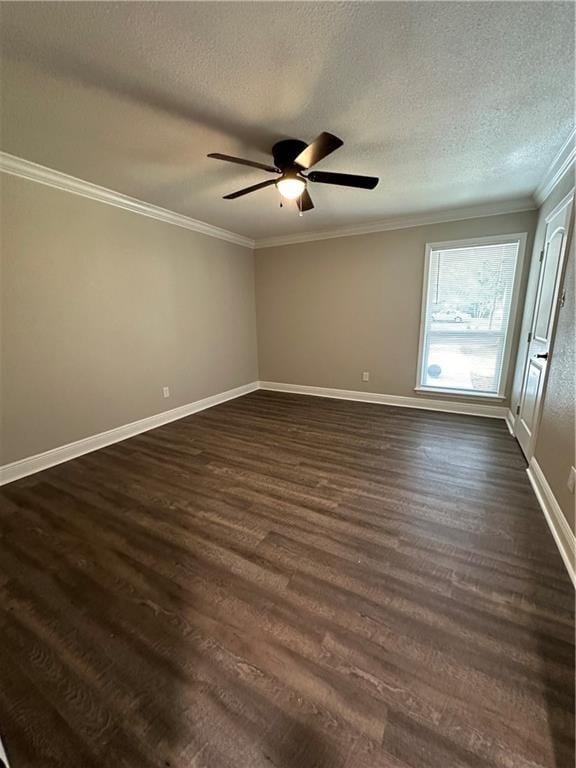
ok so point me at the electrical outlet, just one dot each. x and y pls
(572, 479)
(165, 391)
(365, 375)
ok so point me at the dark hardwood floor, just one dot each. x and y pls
(287, 582)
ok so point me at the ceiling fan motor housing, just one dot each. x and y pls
(285, 151)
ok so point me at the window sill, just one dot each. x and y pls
(458, 393)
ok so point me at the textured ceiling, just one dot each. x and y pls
(449, 103)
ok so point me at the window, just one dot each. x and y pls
(470, 293)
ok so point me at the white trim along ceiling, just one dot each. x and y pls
(561, 165)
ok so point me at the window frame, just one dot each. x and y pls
(517, 237)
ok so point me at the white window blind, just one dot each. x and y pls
(468, 302)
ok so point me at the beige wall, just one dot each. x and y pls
(555, 449)
(330, 309)
(101, 308)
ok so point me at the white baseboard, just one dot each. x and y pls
(561, 531)
(41, 461)
(32, 464)
(563, 535)
(448, 406)
(3, 755)
(510, 422)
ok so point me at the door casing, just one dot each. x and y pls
(532, 366)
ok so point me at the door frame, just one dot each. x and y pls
(563, 203)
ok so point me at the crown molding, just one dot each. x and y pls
(405, 222)
(25, 169)
(559, 167)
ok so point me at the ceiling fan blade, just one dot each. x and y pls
(240, 161)
(247, 190)
(344, 179)
(322, 146)
(305, 201)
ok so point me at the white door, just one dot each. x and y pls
(544, 316)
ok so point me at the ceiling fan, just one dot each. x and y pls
(291, 158)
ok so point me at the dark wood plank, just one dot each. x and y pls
(287, 582)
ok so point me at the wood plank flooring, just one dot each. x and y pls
(287, 582)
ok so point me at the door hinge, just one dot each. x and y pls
(542, 255)
(517, 410)
(529, 336)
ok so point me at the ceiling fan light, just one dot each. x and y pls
(291, 188)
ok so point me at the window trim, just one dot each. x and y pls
(510, 332)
